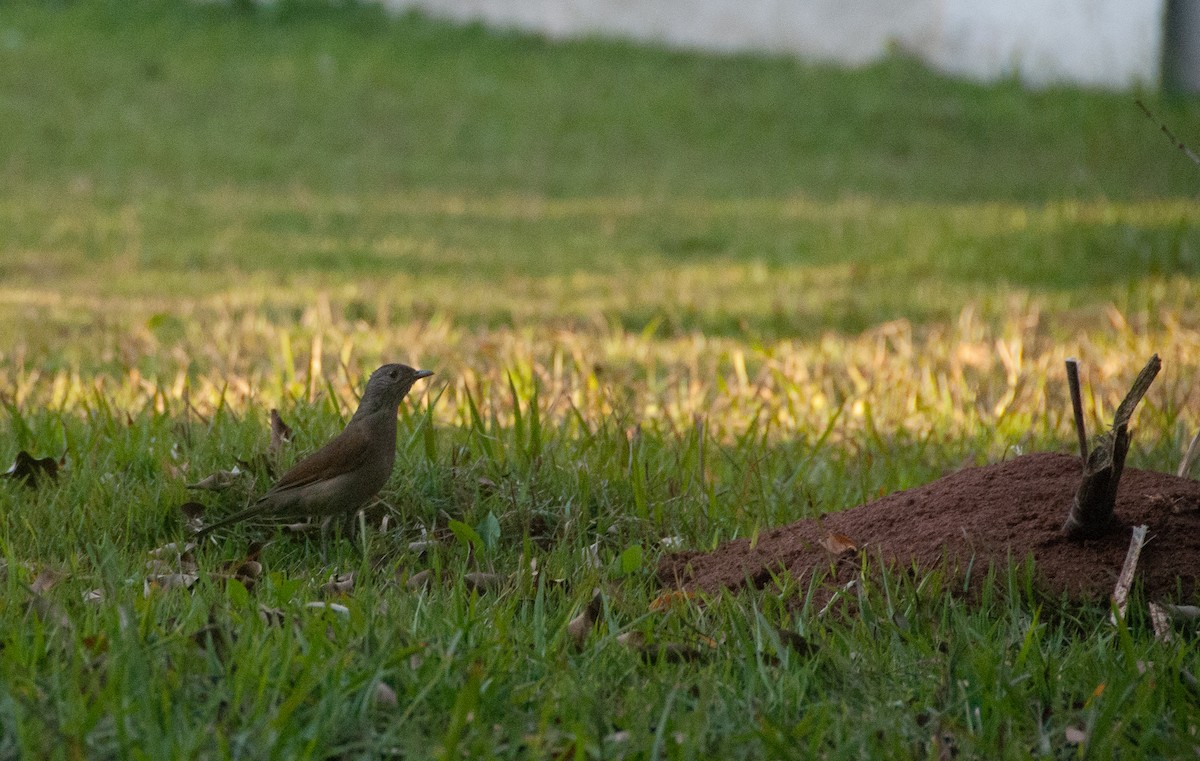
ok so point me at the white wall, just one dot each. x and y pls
(1107, 43)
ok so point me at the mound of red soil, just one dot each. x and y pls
(986, 515)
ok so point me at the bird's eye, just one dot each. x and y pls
(392, 375)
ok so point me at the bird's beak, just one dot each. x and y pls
(422, 374)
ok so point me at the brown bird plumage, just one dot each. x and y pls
(346, 473)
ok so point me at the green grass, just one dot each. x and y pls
(667, 295)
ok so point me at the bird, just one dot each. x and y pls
(346, 473)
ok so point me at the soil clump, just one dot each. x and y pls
(973, 519)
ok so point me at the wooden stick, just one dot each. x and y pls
(1186, 462)
(1161, 623)
(1077, 405)
(1125, 580)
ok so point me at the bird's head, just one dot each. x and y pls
(387, 386)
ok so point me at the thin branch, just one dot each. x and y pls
(1186, 462)
(1125, 580)
(1077, 406)
(1170, 135)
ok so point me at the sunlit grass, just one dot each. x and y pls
(671, 300)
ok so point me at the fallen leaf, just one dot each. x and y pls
(214, 638)
(50, 613)
(481, 582)
(28, 470)
(259, 464)
(421, 546)
(168, 581)
(193, 515)
(281, 433)
(795, 641)
(330, 606)
(271, 616)
(580, 626)
(385, 696)
(671, 598)
(339, 584)
(248, 572)
(173, 550)
(838, 544)
(218, 481)
(591, 556)
(633, 640)
(420, 580)
(44, 581)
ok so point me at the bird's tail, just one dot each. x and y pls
(237, 517)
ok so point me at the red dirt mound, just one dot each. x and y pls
(990, 514)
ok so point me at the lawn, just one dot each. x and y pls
(671, 299)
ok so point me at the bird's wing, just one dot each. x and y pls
(343, 454)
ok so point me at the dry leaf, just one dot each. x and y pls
(420, 580)
(421, 546)
(173, 550)
(795, 641)
(330, 606)
(28, 470)
(281, 433)
(94, 596)
(838, 544)
(591, 556)
(580, 626)
(218, 481)
(50, 613)
(168, 581)
(193, 515)
(256, 465)
(339, 584)
(671, 598)
(385, 696)
(634, 640)
(44, 581)
(271, 616)
(480, 582)
(248, 572)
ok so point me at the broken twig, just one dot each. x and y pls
(1188, 455)
(1092, 510)
(1161, 623)
(1077, 406)
(1170, 135)
(1125, 580)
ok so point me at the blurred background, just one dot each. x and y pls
(655, 207)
